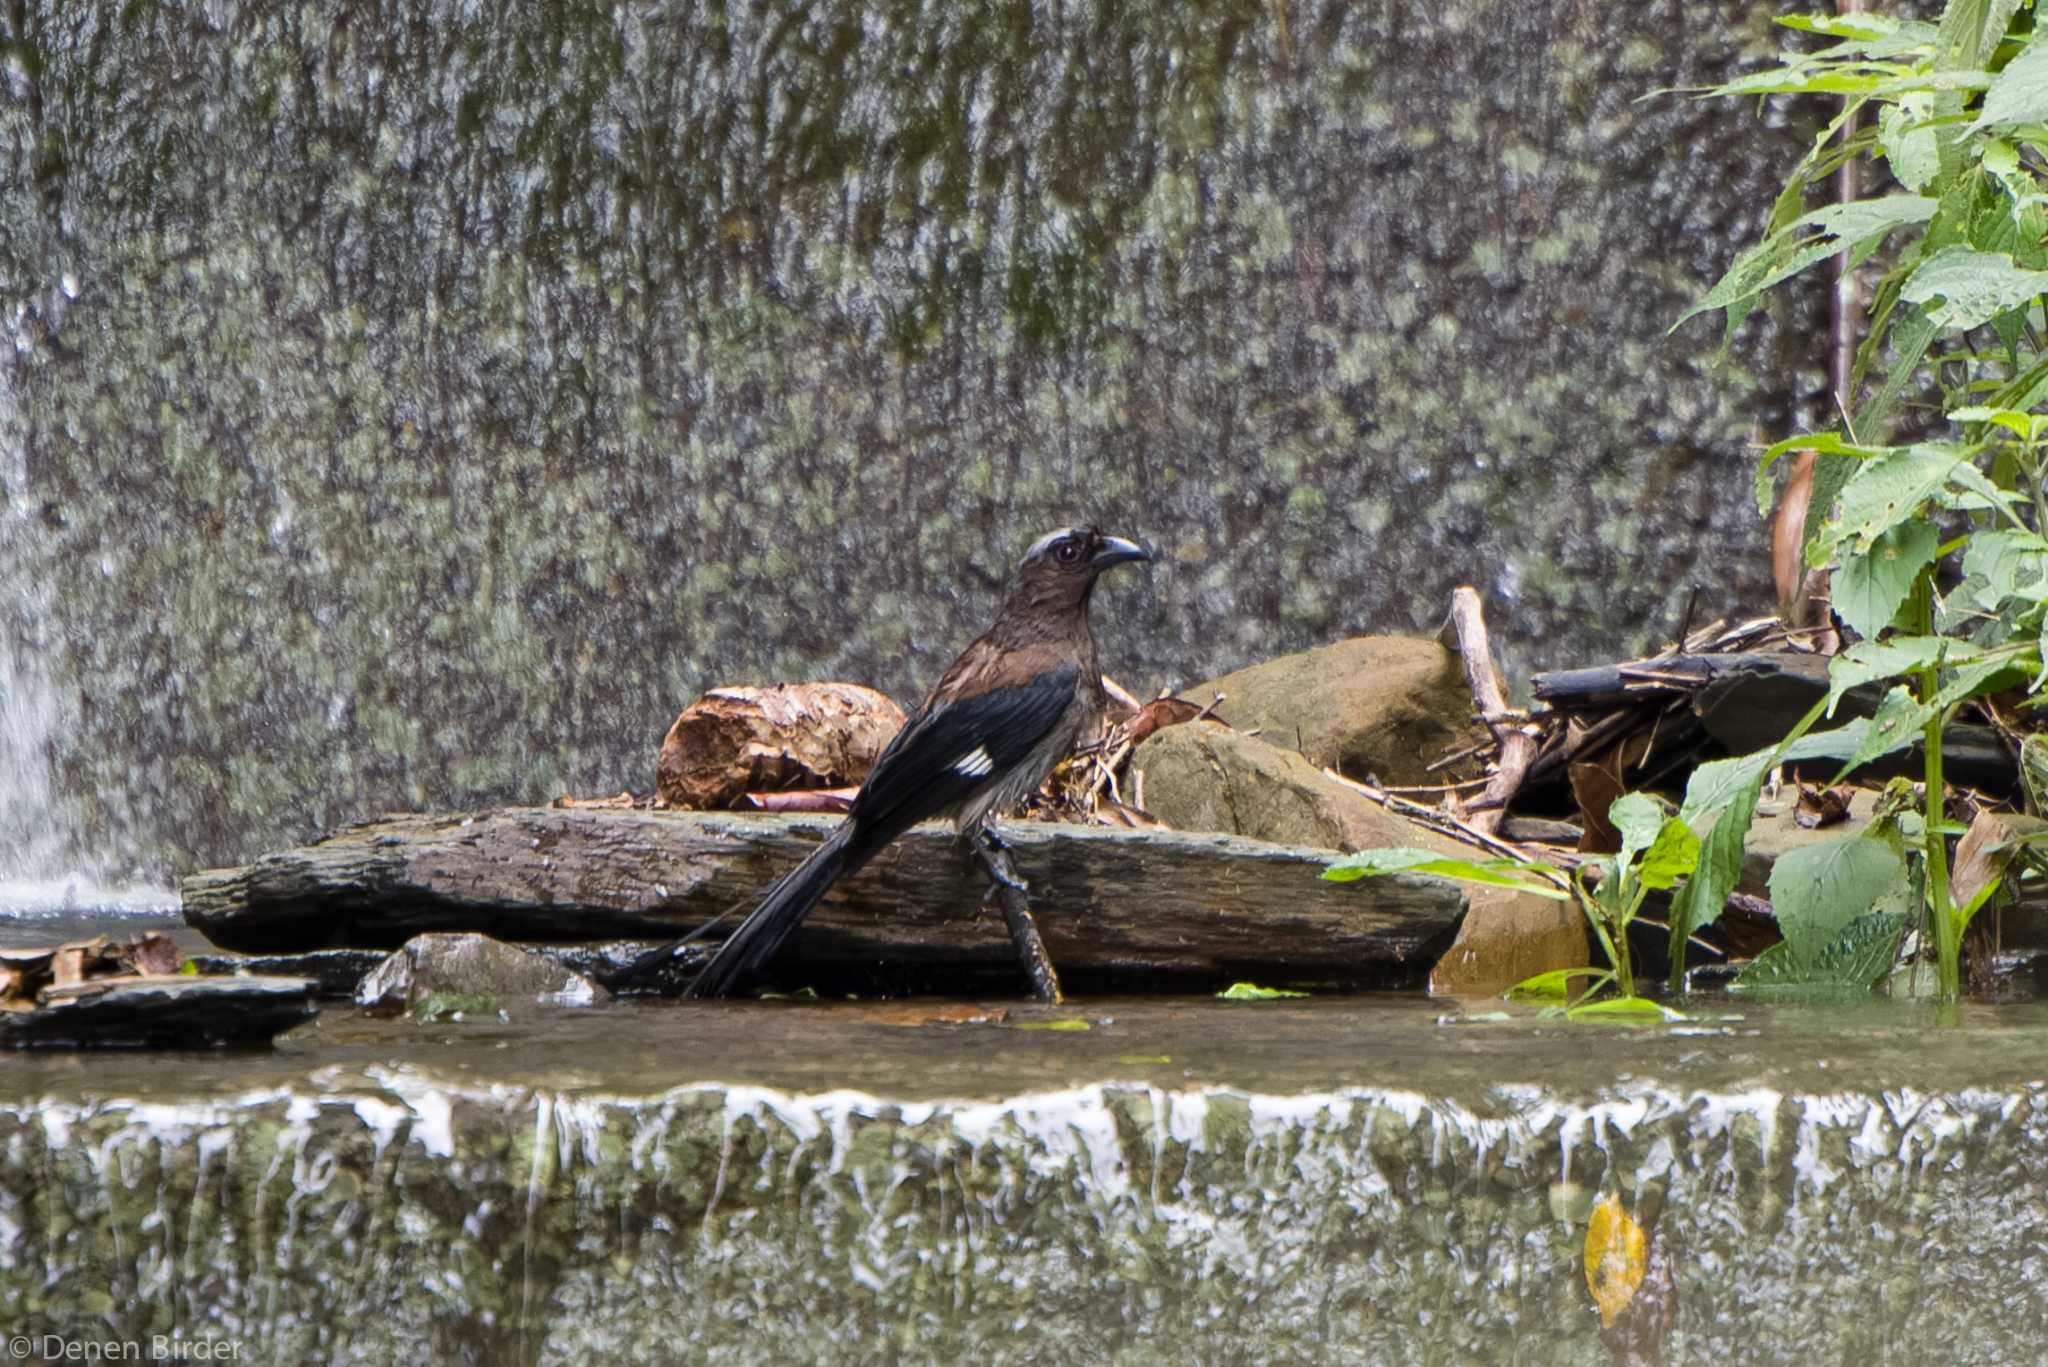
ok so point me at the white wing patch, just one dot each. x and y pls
(975, 764)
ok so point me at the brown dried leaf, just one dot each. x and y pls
(1820, 807)
(620, 802)
(1986, 850)
(1153, 716)
(155, 954)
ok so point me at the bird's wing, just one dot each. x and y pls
(956, 745)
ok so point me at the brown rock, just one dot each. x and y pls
(1383, 706)
(735, 740)
(1201, 777)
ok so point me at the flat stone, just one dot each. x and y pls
(161, 1012)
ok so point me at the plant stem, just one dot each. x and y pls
(1935, 843)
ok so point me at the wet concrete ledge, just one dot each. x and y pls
(330, 1206)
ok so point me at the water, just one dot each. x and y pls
(1185, 1181)
(419, 411)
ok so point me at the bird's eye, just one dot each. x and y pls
(1068, 552)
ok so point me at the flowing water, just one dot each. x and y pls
(1368, 1181)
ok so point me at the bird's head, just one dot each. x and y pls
(1061, 567)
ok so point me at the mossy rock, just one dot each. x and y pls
(1379, 706)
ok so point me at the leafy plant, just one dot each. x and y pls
(1657, 850)
(1961, 125)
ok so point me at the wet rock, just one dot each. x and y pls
(1776, 832)
(1386, 706)
(1208, 778)
(160, 1013)
(474, 968)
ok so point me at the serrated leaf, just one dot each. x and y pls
(1854, 961)
(1817, 890)
(1898, 723)
(1872, 585)
(1869, 661)
(2012, 564)
(2020, 93)
(1809, 238)
(1910, 142)
(1974, 286)
(1504, 873)
(1883, 493)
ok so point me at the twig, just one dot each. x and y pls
(1466, 753)
(1398, 788)
(1517, 747)
(1443, 821)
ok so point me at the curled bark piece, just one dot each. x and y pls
(733, 741)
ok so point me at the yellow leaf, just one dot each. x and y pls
(1617, 1255)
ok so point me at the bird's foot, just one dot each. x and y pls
(992, 852)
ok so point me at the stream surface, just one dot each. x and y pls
(1362, 1179)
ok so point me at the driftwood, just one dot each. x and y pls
(1466, 633)
(1118, 908)
(1744, 701)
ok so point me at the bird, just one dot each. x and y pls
(1012, 706)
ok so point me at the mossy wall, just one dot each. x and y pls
(417, 403)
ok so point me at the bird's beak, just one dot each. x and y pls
(1115, 551)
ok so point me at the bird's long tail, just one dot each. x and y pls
(781, 910)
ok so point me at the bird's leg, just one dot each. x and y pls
(992, 852)
(1011, 893)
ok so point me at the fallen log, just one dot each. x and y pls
(1120, 909)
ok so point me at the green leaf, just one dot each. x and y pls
(1639, 818)
(1854, 960)
(1673, 855)
(1897, 724)
(1626, 1007)
(1714, 784)
(1809, 238)
(2012, 563)
(1911, 144)
(1070, 1023)
(2020, 93)
(1252, 992)
(1871, 586)
(1817, 890)
(1974, 286)
(1868, 661)
(1717, 869)
(1885, 492)
(1502, 873)
(1556, 985)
